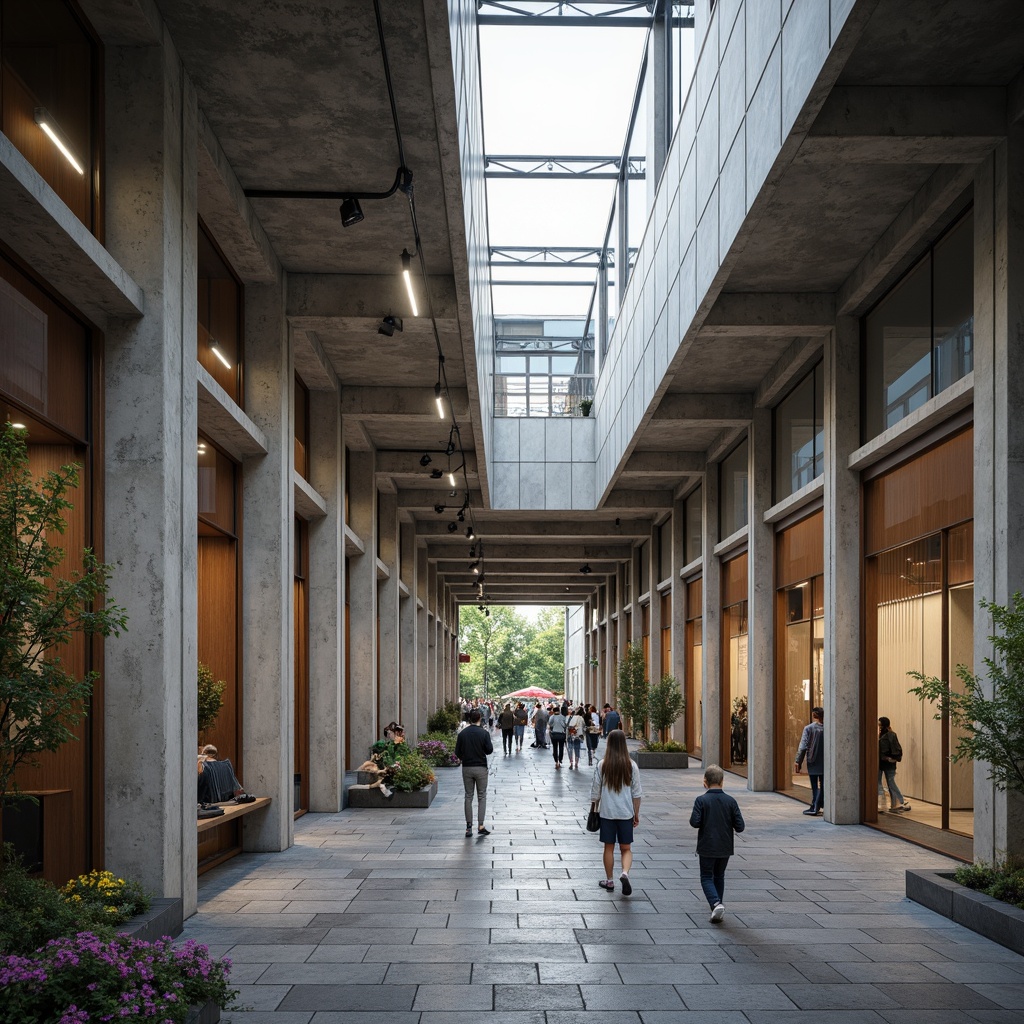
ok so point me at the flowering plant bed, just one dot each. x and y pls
(88, 979)
(110, 898)
(438, 754)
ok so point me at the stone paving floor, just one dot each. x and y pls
(394, 917)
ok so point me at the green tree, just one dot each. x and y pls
(665, 703)
(991, 729)
(210, 695)
(631, 693)
(545, 656)
(44, 606)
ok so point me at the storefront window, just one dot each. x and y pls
(735, 685)
(799, 422)
(694, 666)
(49, 62)
(665, 551)
(733, 469)
(920, 338)
(219, 347)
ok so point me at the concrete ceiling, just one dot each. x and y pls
(295, 95)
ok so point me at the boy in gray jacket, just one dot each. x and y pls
(717, 817)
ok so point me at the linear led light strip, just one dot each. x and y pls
(45, 120)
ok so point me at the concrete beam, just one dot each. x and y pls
(534, 529)
(408, 464)
(540, 572)
(525, 580)
(633, 500)
(424, 500)
(769, 315)
(723, 409)
(406, 403)
(671, 465)
(313, 298)
(788, 367)
(517, 553)
(312, 363)
(908, 124)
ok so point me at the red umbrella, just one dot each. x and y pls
(532, 691)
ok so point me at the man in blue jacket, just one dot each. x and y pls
(812, 746)
(718, 818)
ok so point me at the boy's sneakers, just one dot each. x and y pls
(607, 884)
(626, 887)
(718, 913)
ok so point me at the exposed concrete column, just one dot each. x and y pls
(363, 725)
(761, 606)
(149, 710)
(268, 633)
(326, 605)
(387, 610)
(621, 637)
(424, 694)
(711, 664)
(408, 623)
(636, 618)
(678, 667)
(654, 616)
(659, 93)
(843, 727)
(430, 605)
(998, 445)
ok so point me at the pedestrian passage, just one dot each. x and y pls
(395, 917)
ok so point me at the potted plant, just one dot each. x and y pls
(210, 698)
(632, 690)
(586, 404)
(665, 703)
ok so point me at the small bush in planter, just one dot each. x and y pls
(445, 719)
(1004, 882)
(668, 747)
(437, 754)
(110, 898)
(88, 978)
(410, 773)
(447, 738)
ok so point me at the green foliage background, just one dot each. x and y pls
(513, 651)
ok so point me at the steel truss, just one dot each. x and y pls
(583, 13)
(548, 168)
(553, 257)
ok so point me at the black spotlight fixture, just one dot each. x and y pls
(470, 533)
(452, 526)
(389, 325)
(425, 459)
(474, 566)
(461, 516)
(472, 551)
(439, 509)
(351, 212)
(436, 474)
(585, 569)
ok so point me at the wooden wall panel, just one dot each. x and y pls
(218, 622)
(921, 497)
(800, 551)
(734, 580)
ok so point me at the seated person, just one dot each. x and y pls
(394, 732)
(217, 780)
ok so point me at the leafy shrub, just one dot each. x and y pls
(108, 897)
(668, 747)
(445, 719)
(210, 694)
(437, 753)
(447, 738)
(89, 978)
(382, 753)
(32, 911)
(1004, 882)
(411, 772)
(665, 703)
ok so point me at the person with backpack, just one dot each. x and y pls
(812, 745)
(574, 736)
(890, 753)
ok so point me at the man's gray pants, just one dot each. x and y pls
(475, 779)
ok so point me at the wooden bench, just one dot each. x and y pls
(220, 837)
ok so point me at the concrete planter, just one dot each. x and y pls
(660, 759)
(371, 796)
(983, 914)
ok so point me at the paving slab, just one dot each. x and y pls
(393, 917)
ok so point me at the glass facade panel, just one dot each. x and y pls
(694, 666)
(665, 551)
(733, 484)
(734, 621)
(219, 342)
(693, 526)
(799, 436)
(920, 338)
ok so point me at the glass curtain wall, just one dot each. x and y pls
(693, 526)
(694, 666)
(920, 601)
(799, 435)
(800, 643)
(733, 511)
(735, 678)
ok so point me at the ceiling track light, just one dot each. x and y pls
(56, 135)
(436, 474)
(453, 526)
(407, 277)
(389, 325)
(425, 459)
(219, 353)
(585, 569)
(470, 533)
(475, 566)
(439, 509)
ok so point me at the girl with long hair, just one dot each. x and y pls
(616, 793)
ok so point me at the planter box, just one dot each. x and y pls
(371, 796)
(164, 917)
(660, 759)
(983, 914)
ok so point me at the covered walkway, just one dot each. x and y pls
(380, 917)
